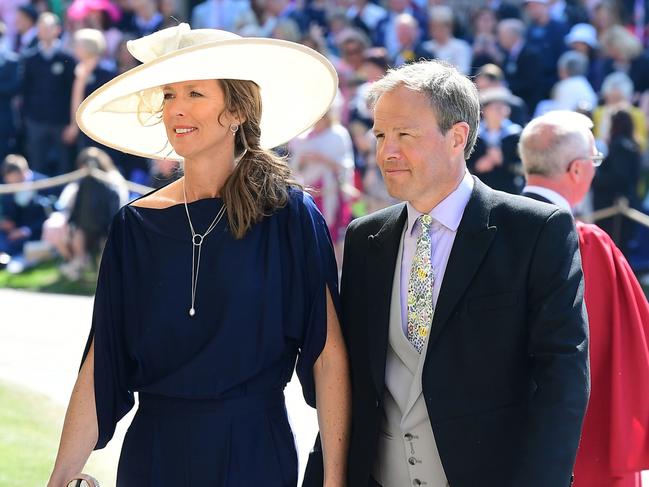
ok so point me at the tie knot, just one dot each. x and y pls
(425, 221)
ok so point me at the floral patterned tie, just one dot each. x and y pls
(420, 288)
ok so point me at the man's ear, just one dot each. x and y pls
(460, 135)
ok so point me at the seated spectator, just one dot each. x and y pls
(442, 43)
(495, 157)
(583, 38)
(86, 209)
(491, 76)
(573, 90)
(485, 48)
(21, 214)
(617, 91)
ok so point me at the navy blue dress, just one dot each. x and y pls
(211, 386)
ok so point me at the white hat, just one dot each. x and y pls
(297, 85)
(585, 33)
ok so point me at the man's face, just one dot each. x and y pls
(23, 22)
(417, 161)
(586, 170)
(14, 177)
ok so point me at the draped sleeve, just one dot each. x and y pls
(112, 397)
(314, 268)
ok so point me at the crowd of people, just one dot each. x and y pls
(526, 58)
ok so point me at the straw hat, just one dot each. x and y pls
(297, 85)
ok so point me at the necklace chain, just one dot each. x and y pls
(197, 242)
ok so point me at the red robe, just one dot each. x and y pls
(615, 439)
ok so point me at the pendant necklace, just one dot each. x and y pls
(197, 243)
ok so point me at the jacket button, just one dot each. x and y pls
(408, 437)
(412, 460)
(416, 482)
(377, 403)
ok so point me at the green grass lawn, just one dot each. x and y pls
(30, 425)
(46, 278)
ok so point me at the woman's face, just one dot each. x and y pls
(191, 113)
(485, 23)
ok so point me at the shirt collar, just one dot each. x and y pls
(449, 211)
(549, 194)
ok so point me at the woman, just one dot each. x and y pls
(212, 286)
(85, 209)
(323, 159)
(618, 177)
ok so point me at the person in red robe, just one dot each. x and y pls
(559, 157)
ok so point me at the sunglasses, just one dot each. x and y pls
(596, 159)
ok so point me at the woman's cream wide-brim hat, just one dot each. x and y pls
(297, 86)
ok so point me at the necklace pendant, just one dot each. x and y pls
(192, 312)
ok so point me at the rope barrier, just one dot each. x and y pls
(71, 177)
(621, 206)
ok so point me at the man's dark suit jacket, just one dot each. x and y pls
(506, 374)
(524, 75)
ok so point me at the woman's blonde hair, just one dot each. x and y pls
(259, 184)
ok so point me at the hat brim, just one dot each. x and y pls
(297, 86)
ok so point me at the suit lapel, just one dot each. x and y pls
(473, 239)
(383, 248)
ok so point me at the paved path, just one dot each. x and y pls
(41, 342)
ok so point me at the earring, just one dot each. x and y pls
(234, 128)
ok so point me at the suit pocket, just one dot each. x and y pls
(492, 302)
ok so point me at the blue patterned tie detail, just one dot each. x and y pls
(420, 288)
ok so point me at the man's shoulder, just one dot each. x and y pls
(518, 207)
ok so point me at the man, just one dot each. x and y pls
(9, 86)
(48, 74)
(467, 341)
(522, 63)
(26, 18)
(559, 157)
(546, 35)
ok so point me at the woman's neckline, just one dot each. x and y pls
(175, 205)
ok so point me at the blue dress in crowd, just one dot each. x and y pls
(211, 404)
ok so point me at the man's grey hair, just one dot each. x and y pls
(514, 26)
(618, 81)
(453, 97)
(550, 142)
(574, 63)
